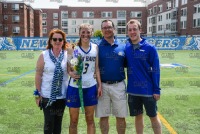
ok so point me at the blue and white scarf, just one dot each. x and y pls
(56, 86)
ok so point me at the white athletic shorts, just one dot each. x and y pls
(113, 101)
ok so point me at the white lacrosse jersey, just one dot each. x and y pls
(89, 59)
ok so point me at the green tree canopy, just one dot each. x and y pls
(98, 33)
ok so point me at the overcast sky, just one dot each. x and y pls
(93, 3)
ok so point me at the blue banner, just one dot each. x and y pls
(39, 43)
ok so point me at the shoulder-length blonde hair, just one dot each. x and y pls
(53, 31)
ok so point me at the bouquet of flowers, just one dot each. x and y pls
(77, 64)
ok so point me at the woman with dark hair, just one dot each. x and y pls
(91, 87)
(51, 81)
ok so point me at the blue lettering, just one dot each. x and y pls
(25, 43)
(88, 58)
(175, 43)
(43, 43)
(152, 41)
(158, 43)
(35, 43)
(166, 43)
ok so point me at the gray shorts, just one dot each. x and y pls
(113, 101)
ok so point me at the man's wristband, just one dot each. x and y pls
(36, 93)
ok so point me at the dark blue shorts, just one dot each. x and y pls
(89, 97)
(136, 103)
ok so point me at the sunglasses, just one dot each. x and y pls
(59, 39)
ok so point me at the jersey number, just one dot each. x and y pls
(86, 68)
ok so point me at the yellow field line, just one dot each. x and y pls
(167, 125)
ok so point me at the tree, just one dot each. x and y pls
(98, 33)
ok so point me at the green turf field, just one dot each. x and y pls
(179, 104)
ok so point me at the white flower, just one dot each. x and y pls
(74, 62)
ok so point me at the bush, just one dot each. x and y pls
(98, 33)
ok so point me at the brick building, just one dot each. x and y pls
(38, 23)
(69, 18)
(17, 19)
(173, 18)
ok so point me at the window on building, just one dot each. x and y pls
(173, 3)
(173, 27)
(153, 29)
(121, 14)
(55, 23)
(44, 23)
(73, 22)
(168, 27)
(5, 5)
(5, 29)
(64, 14)
(174, 15)
(159, 27)
(183, 24)
(150, 11)
(65, 30)
(197, 8)
(85, 21)
(55, 15)
(135, 14)
(150, 29)
(168, 5)
(196, 22)
(73, 30)
(15, 18)
(88, 14)
(121, 23)
(184, 12)
(64, 23)
(15, 6)
(91, 22)
(106, 14)
(154, 9)
(160, 18)
(149, 20)
(44, 15)
(153, 20)
(44, 30)
(183, 2)
(5, 17)
(168, 16)
(16, 29)
(160, 8)
(121, 30)
(73, 14)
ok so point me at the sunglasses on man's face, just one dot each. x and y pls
(59, 39)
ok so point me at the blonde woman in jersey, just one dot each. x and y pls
(91, 86)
